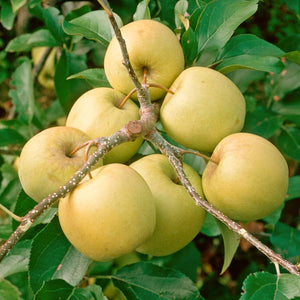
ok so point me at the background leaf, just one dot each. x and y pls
(8, 291)
(26, 41)
(226, 15)
(249, 44)
(289, 142)
(252, 62)
(185, 260)
(287, 239)
(9, 136)
(142, 11)
(294, 188)
(95, 77)
(231, 242)
(69, 90)
(51, 289)
(53, 257)
(146, 281)
(17, 260)
(263, 122)
(93, 25)
(23, 95)
(265, 286)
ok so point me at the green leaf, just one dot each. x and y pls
(23, 94)
(147, 281)
(93, 25)
(10, 185)
(53, 20)
(25, 203)
(294, 188)
(289, 142)
(69, 90)
(167, 11)
(180, 9)
(189, 45)
(10, 136)
(231, 242)
(294, 5)
(142, 11)
(92, 292)
(7, 16)
(252, 62)
(17, 4)
(244, 77)
(219, 19)
(26, 41)
(53, 257)
(95, 77)
(293, 56)
(287, 239)
(275, 216)
(263, 122)
(289, 106)
(265, 286)
(249, 44)
(186, 260)
(17, 260)
(5, 230)
(210, 226)
(53, 290)
(8, 291)
(285, 82)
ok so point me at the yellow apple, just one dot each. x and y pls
(110, 215)
(248, 179)
(151, 46)
(46, 75)
(178, 218)
(45, 163)
(97, 114)
(206, 106)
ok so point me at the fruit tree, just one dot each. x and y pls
(149, 149)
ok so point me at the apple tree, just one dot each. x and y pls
(183, 183)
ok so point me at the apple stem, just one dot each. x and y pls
(127, 97)
(10, 213)
(160, 87)
(206, 157)
(145, 76)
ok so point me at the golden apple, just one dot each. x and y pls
(248, 179)
(97, 113)
(178, 218)
(151, 46)
(110, 215)
(206, 106)
(45, 163)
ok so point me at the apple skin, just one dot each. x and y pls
(151, 45)
(178, 218)
(250, 179)
(109, 215)
(206, 107)
(45, 164)
(97, 114)
(46, 75)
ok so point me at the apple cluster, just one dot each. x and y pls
(142, 206)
